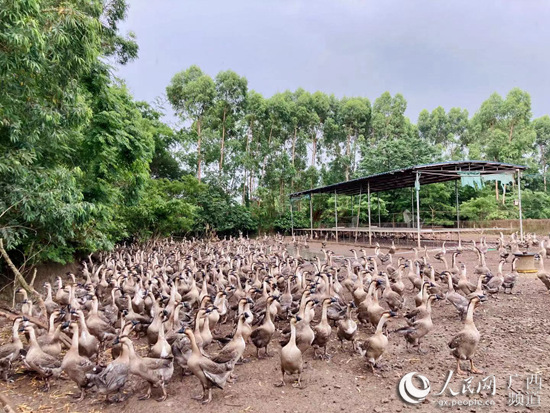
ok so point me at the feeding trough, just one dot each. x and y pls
(525, 263)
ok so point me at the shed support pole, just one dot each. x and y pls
(379, 222)
(368, 202)
(457, 206)
(519, 204)
(336, 215)
(311, 216)
(291, 219)
(417, 188)
(358, 212)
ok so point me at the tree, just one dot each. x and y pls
(542, 131)
(355, 116)
(49, 82)
(192, 93)
(231, 90)
(164, 163)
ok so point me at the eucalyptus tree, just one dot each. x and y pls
(448, 130)
(229, 105)
(542, 130)
(192, 95)
(355, 118)
(503, 128)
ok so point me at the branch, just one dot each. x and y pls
(19, 277)
(6, 404)
(12, 316)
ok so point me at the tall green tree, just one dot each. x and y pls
(192, 93)
(231, 92)
(542, 130)
(52, 67)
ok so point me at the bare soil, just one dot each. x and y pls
(514, 330)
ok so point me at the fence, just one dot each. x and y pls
(538, 226)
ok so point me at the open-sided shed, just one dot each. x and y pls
(415, 176)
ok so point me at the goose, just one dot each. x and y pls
(209, 373)
(156, 371)
(10, 352)
(291, 356)
(35, 359)
(421, 326)
(459, 301)
(261, 336)
(463, 346)
(111, 379)
(88, 343)
(347, 328)
(323, 330)
(510, 278)
(375, 346)
(233, 351)
(49, 303)
(74, 365)
(542, 274)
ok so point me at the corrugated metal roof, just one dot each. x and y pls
(405, 178)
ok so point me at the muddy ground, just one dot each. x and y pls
(514, 330)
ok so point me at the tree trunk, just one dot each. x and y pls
(294, 144)
(511, 132)
(543, 159)
(503, 194)
(496, 189)
(314, 150)
(199, 150)
(348, 149)
(222, 146)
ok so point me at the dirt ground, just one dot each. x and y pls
(514, 340)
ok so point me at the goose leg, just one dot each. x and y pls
(459, 371)
(81, 396)
(267, 352)
(147, 395)
(282, 383)
(473, 369)
(202, 397)
(209, 398)
(164, 395)
(298, 384)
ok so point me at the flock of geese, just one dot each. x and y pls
(177, 296)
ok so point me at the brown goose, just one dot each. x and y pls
(291, 356)
(156, 371)
(111, 379)
(233, 350)
(376, 345)
(209, 373)
(323, 330)
(463, 345)
(421, 326)
(35, 359)
(347, 328)
(261, 336)
(74, 365)
(10, 352)
(542, 274)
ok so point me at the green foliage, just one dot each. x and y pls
(166, 208)
(486, 208)
(535, 204)
(220, 213)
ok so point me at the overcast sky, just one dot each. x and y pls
(448, 53)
